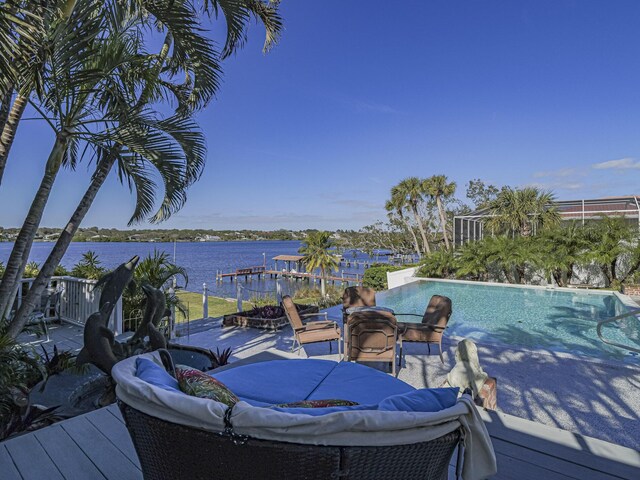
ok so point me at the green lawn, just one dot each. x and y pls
(217, 306)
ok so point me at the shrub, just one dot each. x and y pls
(440, 264)
(60, 271)
(376, 275)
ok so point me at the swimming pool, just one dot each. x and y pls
(536, 318)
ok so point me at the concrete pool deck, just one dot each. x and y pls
(592, 398)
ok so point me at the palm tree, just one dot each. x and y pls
(473, 260)
(396, 206)
(610, 239)
(316, 255)
(408, 193)
(560, 250)
(22, 26)
(438, 188)
(523, 211)
(198, 60)
(512, 255)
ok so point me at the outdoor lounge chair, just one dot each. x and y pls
(431, 330)
(371, 336)
(313, 331)
(180, 436)
(357, 297)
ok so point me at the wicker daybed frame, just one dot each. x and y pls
(169, 451)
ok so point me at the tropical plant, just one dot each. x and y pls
(440, 264)
(19, 371)
(522, 211)
(396, 207)
(219, 358)
(74, 105)
(89, 267)
(179, 167)
(560, 249)
(439, 188)
(611, 240)
(409, 193)
(317, 255)
(513, 255)
(157, 270)
(472, 260)
(376, 275)
(60, 271)
(31, 270)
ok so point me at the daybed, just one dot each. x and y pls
(180, 436)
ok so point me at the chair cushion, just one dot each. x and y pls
(423, 400)
(358, 383)
(277, 381)
(198, 384)
(156, 375)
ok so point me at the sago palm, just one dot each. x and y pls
(317, 255)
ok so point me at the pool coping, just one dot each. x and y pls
(625, 299)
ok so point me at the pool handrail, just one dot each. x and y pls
(630, 313)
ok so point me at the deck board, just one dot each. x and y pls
(116, 432)
(111, 462)
(8, 469)
(65, 453)
(31, 459)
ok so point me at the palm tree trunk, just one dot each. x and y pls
(425, 242)
(20, 252)
(66, 236)
(5, 107)
(413, 237)
(443, 222)
(9, 130)
(323, 288)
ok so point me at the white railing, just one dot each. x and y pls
(79, 299)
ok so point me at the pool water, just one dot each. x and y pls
(534, 318)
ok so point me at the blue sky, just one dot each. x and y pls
(359, 95)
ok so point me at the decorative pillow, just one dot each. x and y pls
(198, 384)
(317, 404)
(156, 375)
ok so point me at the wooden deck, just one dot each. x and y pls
(97, 446)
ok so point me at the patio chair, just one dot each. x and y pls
(431, 329)
(371, 336)
(49, 300)
(354, 297)
(310, 332)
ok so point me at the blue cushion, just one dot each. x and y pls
(156, 375)
(276, 381)
(359, 383)
(423, 400)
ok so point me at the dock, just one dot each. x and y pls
(262, 272)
